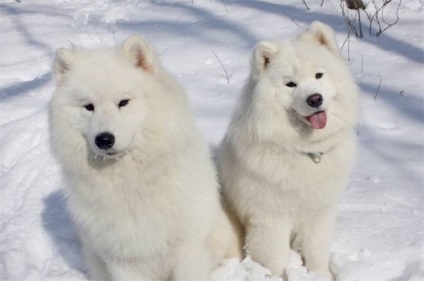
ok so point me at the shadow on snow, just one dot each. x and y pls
(58, 224)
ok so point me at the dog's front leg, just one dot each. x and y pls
(317, 233)
(131, 270)
(269, 245)
(194, 263)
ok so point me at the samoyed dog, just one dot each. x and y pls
(142, 188)
(289, 148)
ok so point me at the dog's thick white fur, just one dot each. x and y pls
(142, 186)
(287, 153)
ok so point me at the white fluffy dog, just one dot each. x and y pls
(142, 187)
(289, 148)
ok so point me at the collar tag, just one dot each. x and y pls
(316, 157)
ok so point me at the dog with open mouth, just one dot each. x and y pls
(289, 148)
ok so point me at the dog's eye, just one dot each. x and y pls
(123, 103)
(319, 75)
(89, 107)
(291, 84)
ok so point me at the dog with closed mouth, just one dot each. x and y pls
(141, 185)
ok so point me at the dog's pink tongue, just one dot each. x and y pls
(318, 120)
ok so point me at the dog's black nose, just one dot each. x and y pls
(314, 100)
(105, 140)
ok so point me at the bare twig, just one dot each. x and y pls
(226, 76)
(347, 40)
(322, 3)
(378, 16)
(349, 20)
(360, 24)
(225, 6)
(378, 89)
(298, 26)
(375, 15)
(348, 49)
(306, 5)
(390, 24)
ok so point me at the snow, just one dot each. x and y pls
(380, 228)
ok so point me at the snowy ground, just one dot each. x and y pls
(380, 227)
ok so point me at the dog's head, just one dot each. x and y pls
(304, 75)
(100, 96)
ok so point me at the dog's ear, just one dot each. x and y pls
(63, 62)
(263, 54)
(140, 53)
(323, 34)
